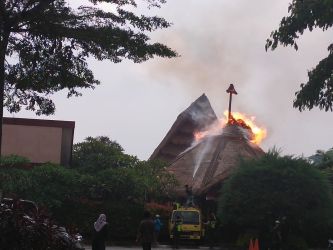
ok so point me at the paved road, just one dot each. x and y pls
(161, 247)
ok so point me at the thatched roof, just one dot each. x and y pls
(211, 161)
(196, 117)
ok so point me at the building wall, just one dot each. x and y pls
(39, 144)
(38, 140)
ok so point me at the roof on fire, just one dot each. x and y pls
(209, 162)
(212, 160)
(196, 117)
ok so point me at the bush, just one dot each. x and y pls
(18, 231)
(285, 188)
(100, 153)
(75, 200)
(13, 161)
(103, 179)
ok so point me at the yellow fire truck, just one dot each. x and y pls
(191, 227)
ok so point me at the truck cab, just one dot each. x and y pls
(191, 227)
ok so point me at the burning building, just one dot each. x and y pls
(202, 150)
(197, 117)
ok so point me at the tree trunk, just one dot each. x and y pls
(2, 83)
(3, 48)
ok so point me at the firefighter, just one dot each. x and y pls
(176, 205)
(211, 229)
(176, 231)
(190, 196)
(276, 236)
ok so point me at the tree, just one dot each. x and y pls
(75, 196)
(303, 15)
(100, 153)
(322, 159)
(44, 45)
(278, 188)
(100, 156)
(158, 182)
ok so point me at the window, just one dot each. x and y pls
(188, 217)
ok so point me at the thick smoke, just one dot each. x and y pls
(222, 42)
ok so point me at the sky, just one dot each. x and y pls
(219, 42)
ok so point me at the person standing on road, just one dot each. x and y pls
(176, 231)
(100, 233)
(210, 230)
(146, 231)
(276, 236)
(157, 227)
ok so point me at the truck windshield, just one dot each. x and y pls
(188, 217)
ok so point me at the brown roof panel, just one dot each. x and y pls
(209, 162)
(213, 159)
(196, 117)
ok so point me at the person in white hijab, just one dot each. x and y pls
(100, 233)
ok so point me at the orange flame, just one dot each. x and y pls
(242, 120)
(260, 133)
(200, 135)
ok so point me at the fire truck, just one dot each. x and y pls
(191, 227)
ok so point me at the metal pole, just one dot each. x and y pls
(231, 90)
(230, 100)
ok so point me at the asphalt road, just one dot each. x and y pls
(160, 247)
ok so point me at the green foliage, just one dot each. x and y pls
(107, 182)
(50, 41)
(105, 159)
(50, 185)
(159, 183)
(54, 185)
(275, 187)
(124, 218)
(100, 153)
(303, 15)
(13, 160)
(14, 182)
(322, 159)
(75, 199)
(121, 184)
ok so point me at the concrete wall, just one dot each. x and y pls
(38, 140)
(39, 144)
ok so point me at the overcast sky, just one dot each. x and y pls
(220, 42)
